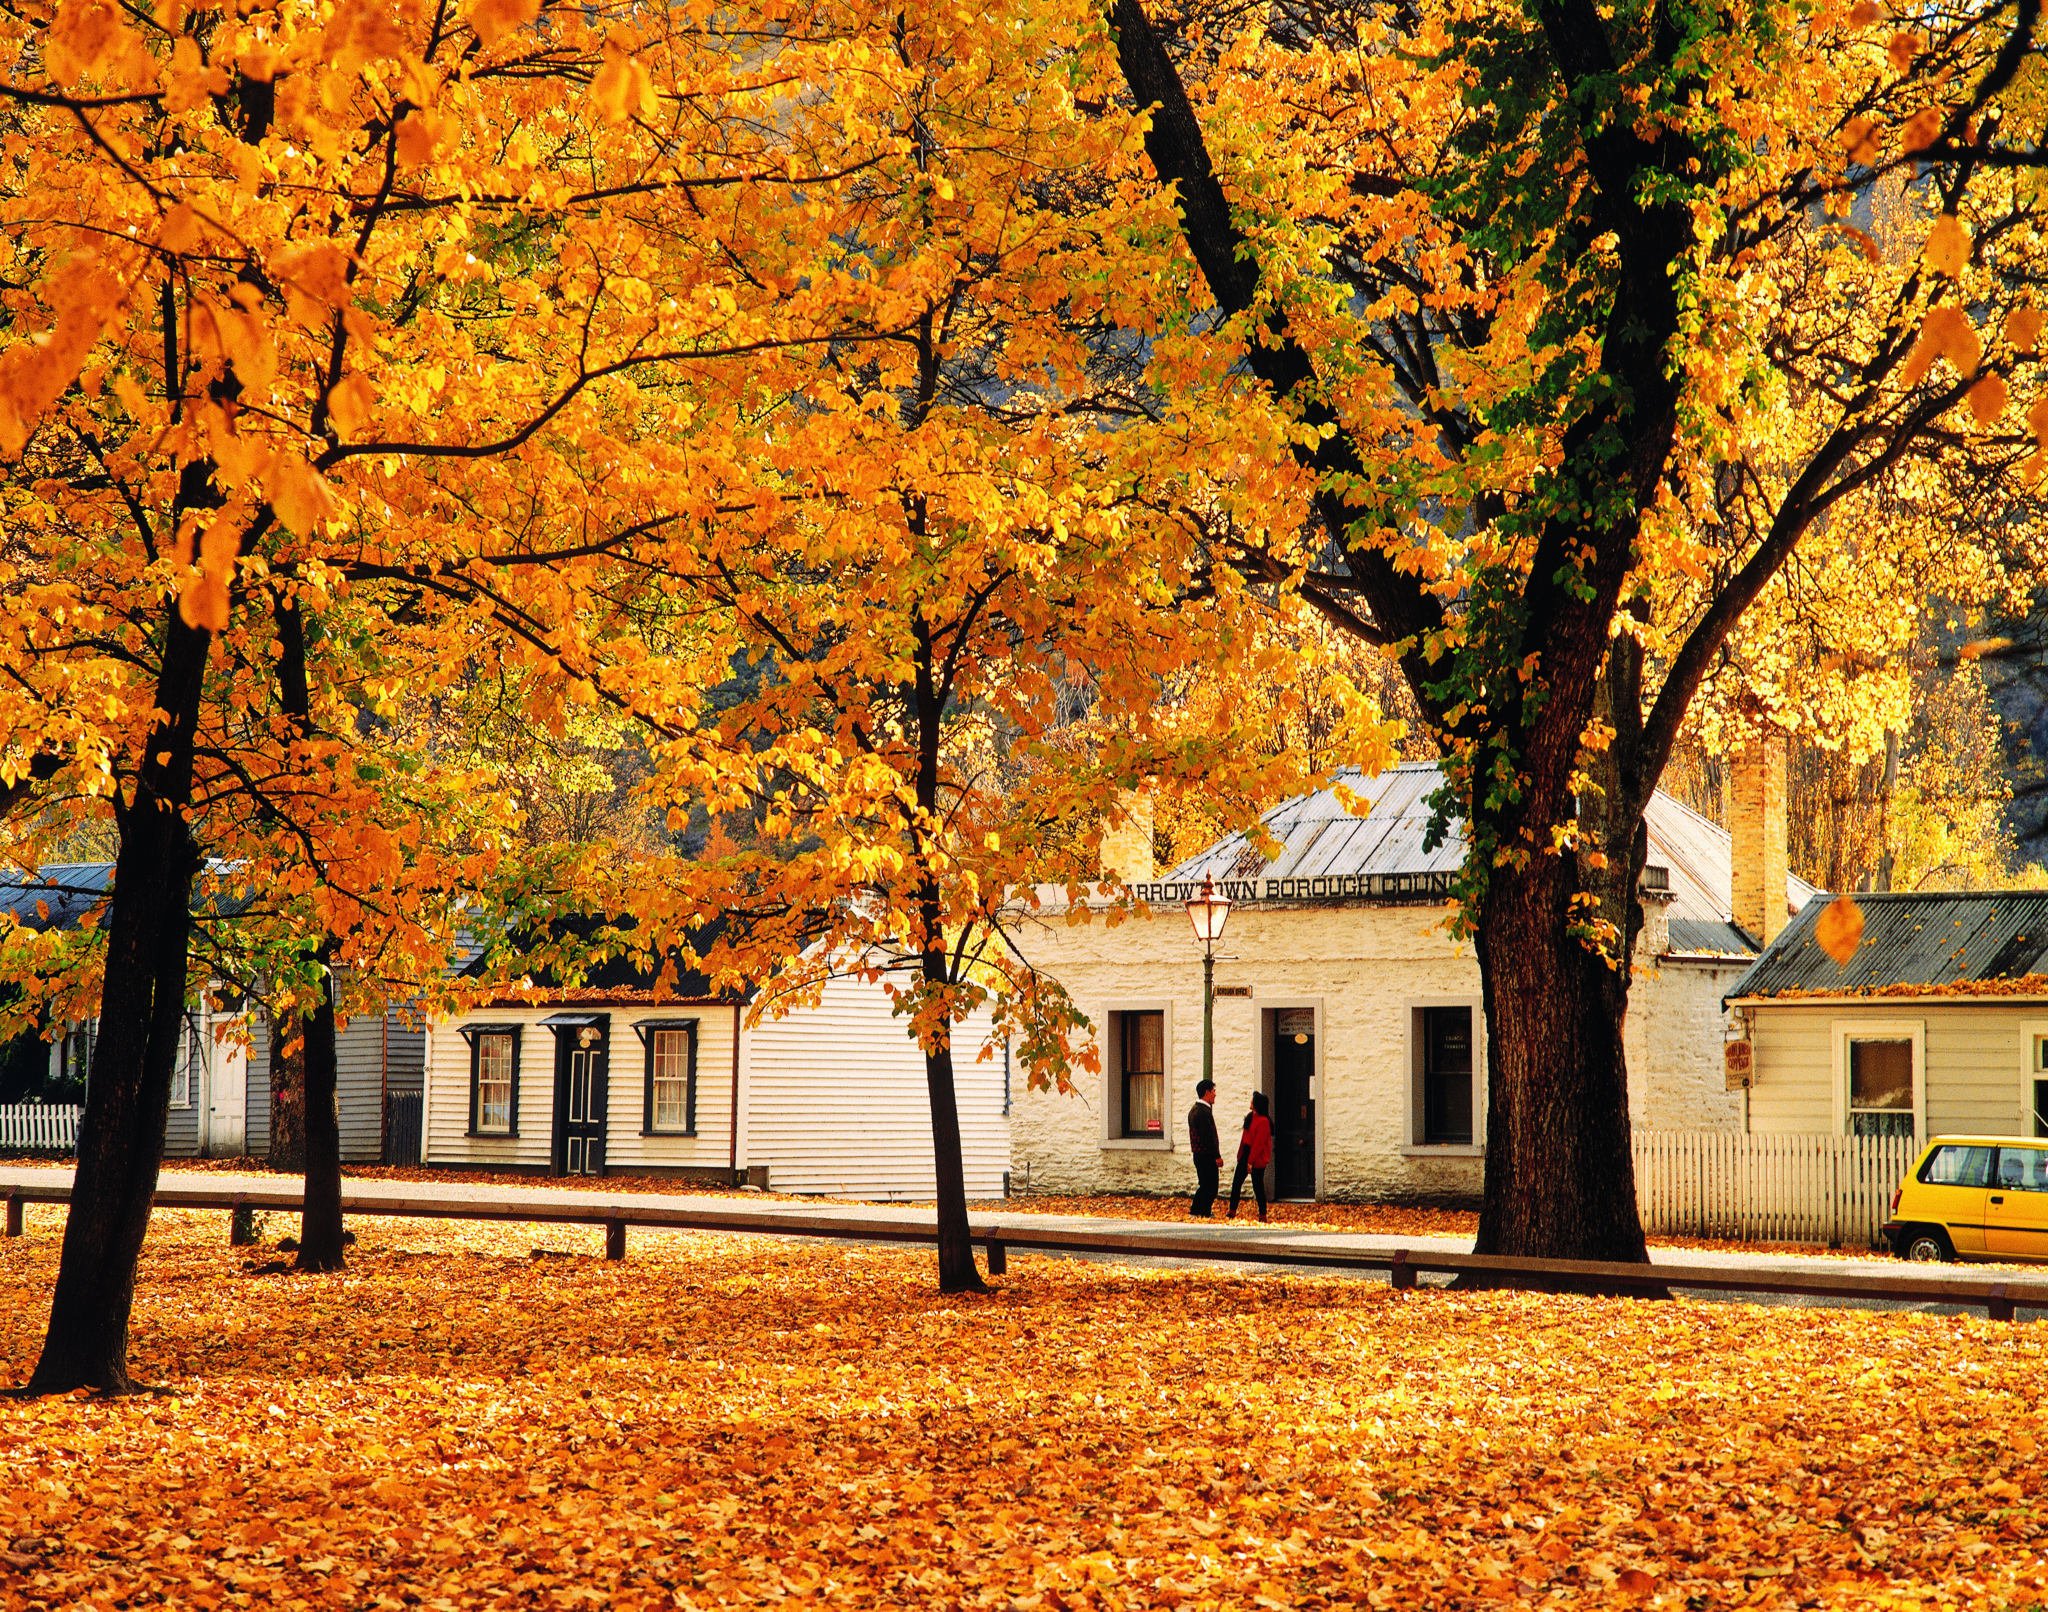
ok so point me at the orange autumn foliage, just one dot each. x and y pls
(727, 1421)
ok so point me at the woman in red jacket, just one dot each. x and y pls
(1254, 1153)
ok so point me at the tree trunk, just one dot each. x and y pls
(957, 1272)
(287, 1093)
(1560, 1179)
(142, 1007)
(320, 1226)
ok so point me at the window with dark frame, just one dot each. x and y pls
(493, 1079)
(668, 1104)
(1881, 1087)
(1447, 1076)
(1142, 1060)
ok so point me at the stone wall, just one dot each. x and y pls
(1365, 971)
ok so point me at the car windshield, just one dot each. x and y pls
(1958, 1167)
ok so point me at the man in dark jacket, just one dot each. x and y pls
(1207, 1151)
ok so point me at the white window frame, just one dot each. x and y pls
(511, 1085)
(1110, 1039)
(1843, 1031)
(1412, 1114)
(686, 1059)
(184, 1067)
(2031, 1032)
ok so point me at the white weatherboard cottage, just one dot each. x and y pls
(1340, 994)
(1937, 1025)
(607, 1079)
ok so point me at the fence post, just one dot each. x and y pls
(14, 1205)
(241, 1223)
(1401, 1275)
(1998, 1307)
(614, 1239)
(998, 1255)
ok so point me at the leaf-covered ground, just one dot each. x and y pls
(739, 1421)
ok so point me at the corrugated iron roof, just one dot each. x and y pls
(1911, 939)
(1700, 937)
(57, 895)
(1320, 837)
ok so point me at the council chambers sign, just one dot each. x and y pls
(1323, 887)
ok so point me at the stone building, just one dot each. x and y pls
(1342, 996)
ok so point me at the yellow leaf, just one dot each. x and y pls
(318, 270)
(418, 135)
(349, 405)
(180, 229)
(493, 19)
(1839, 929)
(298, 494)
(1902, 48)
(1944, 333)
(2023, 328)
(87, 38)
(1988, 399)
(1634, 1581)
(1948, 246)
(1859, 138)
(2037, 422)
(1922, 131)
(1864, 13)
(203, 603)
(621, 87)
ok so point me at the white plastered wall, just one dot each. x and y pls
(1364, 969)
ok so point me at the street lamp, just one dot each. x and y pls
(1207, 912)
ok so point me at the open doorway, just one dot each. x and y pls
(1290, 1045)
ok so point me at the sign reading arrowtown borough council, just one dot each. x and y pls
(1323, 887)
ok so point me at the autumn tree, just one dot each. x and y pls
(955, 631)
(314, 299)
(1571, 315)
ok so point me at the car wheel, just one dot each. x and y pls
(1929, 1247)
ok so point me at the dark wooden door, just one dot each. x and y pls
(582, 1098)
(1294, 1111)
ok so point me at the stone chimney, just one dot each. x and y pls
(1127, 839)
(1757, 823)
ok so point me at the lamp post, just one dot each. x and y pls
(1207, 912)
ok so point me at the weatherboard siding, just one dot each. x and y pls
(257, 1072)
(447, 1140)
(1791, 1090)
(711, 1147)
(1971, 1052)
(838, 1102)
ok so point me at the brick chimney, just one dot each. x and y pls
(1757, 824)
(1127, 839)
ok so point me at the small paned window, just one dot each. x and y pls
(1881, 1088)
(1144, 1073)
(181, 1071)
(671, 1079)
(494, 1083)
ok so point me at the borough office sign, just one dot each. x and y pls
(1389, 887)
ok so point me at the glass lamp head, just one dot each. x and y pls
(1207, 912)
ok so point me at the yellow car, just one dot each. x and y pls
(1973, 1197)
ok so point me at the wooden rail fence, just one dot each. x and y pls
(1999, 1295)
(1782, 1189)
(39, 1127)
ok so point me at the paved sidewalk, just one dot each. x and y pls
(1254, 1238)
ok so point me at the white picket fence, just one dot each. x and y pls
(40, 1127)
(1779, 1189)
